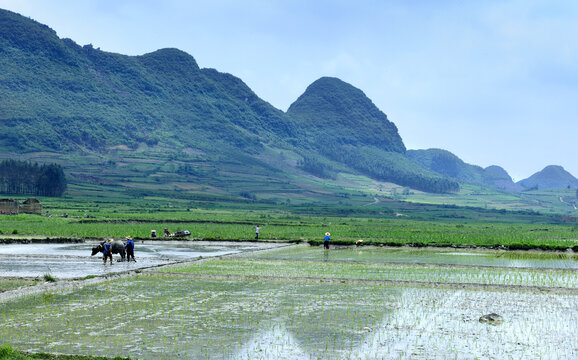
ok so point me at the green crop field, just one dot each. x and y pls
(388, 223)
(403, 282)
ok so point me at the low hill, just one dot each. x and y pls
(445, 163)
(551, 177)
(497, 178)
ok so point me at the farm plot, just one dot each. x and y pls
(408, 273)
(240, 308)
(65, 261)
(408, 255)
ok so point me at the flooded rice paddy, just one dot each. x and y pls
(408, 255)
(65, 261)
(306, 303)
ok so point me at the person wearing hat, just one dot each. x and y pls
(326, 241)
(107, 251)
(129, 246)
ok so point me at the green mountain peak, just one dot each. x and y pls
(170, 60)
(551, 177)
(333, 111)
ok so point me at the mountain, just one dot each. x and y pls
(330, 109)
(551, 177)
(448, 164)
(445, 163)
(158, 122)
(59, 96)
(497, 178)
(342, 124)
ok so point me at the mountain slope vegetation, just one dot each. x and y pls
(551, 177)
(344, 125)
(445, 163)
(158, 121)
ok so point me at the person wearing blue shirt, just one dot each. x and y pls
(129, 249)
(107, 251)
(326, 241)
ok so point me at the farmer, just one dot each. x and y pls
(167, 233)
(326, 241)
(257, 233)
(107, 251)
(129, 249)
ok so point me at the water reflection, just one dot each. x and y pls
(74, 260)
(492, 258)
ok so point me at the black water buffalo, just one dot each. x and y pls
(117, 248)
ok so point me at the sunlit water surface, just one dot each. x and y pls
(66, 261)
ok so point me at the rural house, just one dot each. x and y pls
(12, 207)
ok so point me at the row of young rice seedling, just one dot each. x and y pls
(171, 317)
(13, 284)
(466, 257)
(179, 316)
(385, 272)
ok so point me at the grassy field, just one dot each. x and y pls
(152, 179)
(385, 223)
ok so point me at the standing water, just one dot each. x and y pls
(66, 261)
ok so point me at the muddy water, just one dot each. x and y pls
(65, 261)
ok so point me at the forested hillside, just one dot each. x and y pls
(64, 97)
(445, 163)
(160, 119)
(344, 125)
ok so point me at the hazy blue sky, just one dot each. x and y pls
(494, 82)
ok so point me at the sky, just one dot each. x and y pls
(493, 81)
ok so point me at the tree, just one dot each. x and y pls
(22, 177)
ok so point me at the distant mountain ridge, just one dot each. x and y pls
(330, 106)
(158, 121)
(551, 177)
(448, 164)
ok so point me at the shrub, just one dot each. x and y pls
(49, 278)
(6, 352)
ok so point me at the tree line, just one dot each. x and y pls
(391, 167)
(23, 177)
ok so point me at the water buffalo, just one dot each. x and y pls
(117, 248)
